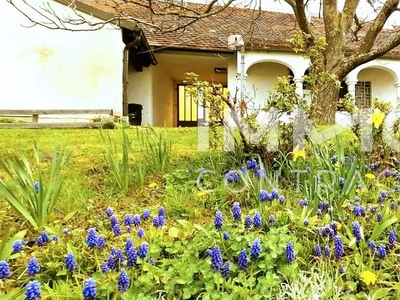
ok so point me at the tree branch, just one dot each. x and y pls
(348, 14)
(299, 10)
(115, 12)
(376, 26)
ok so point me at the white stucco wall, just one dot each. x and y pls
(262, 78)
(140, 91)
(382, 83)
(55, 69)
(163, 89)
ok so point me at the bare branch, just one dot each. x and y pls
(376, 26)
(116, 12)
(299, 9)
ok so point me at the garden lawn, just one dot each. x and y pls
(142, 214)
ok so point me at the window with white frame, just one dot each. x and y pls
(363, 94)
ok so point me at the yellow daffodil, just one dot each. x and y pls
(377, 117)
(368, 277)
(201, 194)
(339, 225)
(370, 176)
(152, 185)
(337, 164)
(298, 153)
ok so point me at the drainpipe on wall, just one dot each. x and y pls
(242, 64)
(125, 72)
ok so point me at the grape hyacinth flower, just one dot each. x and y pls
(91, 239)
(123, 281)
(341, 269)
(379, 217)
(372, 246)
(226, 269)
(39, 241)
(338, 247)
(65, 231)
(161, 212)
(218, 221)
(261, 173)
(129, 244)
(146, 214)
(327, 251)
(232, 176)
(281, 199)
(4, 270)
(236, 211)
(128, 229)
(257, 220)
(111, 262)
(89, 290)
(152, 261)
(116, 230)
(114, 221)
(128, 220)
(216, 258)
(357, 231)
(33, 266)
(319, 212)
(101, 243)
(143, 250)
(140, 233)
(242, 260)
(118, 256)
(303, 202)
(70, 262)
(341, 181)
(317, 251)
(251, 164)
(45, 237)
(289, 252)
(54, 238)
(264, 195)
(247, 222)
(382, 251)
(372, 209)
(36, 186)
(275, 193)
(271, 219)
(306, 222)
(161, 221)
(104, 267)
(156, 221)
(17, 246)
(392, 237)
(131, 255)
(392, 205)
(109, 212)
(226, 236)
(32, 291)
(136, 220)
(255, 249)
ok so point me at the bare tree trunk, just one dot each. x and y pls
(324, 102)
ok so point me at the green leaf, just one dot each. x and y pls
(379, 228)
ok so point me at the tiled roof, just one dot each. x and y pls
(259, 29)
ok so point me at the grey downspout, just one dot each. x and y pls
(125, 73)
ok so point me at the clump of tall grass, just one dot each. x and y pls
(28, 189)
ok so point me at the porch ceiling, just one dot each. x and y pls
(177, 64)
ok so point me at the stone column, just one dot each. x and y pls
(299, 86)
(397, 85)
(351, 88)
